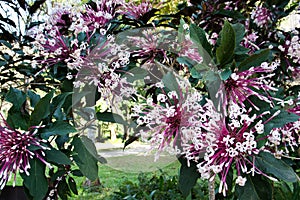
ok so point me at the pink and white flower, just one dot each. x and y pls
(16, 152)
(261, 16)
(252, 82)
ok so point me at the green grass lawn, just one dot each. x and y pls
(111, 178)
(118, 170)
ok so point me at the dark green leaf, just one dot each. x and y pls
(72, 185)
(240, 50)
(59, 100)
(16, 97)
(230, 13)
(90, 146)
(213, 82)
(3, 62)
(86, 162)
(19, 51)
(186, 61)
(77, 172)
(58, 174)
(34, 98)
(36, 182)
(239, 30)
(170, 82)
(56, 156)
(229, 179)
(63, 189)
(131, 139)
(42, 109)
(35, 6)
(280, 120)
(225, 50)
(136, 73)
(282, 191)
(199, 70)
(198, 36)
(255, 188)
(17, 119)
(225, 74)
(181, 32)
(254, 60)
(269, 164)
(188, 176)
(110, 117)
(60, 140)
(58, 128)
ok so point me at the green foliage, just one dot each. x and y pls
(60, 128)
(170, 82)
(188, 176)
(110, 117)
(280, 120)
(255, 60)
(86, 162)
(37, 184)
(198, 36)
(56, 156)
(159, 186)
(281, 170)
(16, 97)
(225, 51)
(255, 188)
(41, 110)
(283, 191)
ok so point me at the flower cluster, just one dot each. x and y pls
(241, 85)
(199, 132)
(149, 44)
(292, 48)
(171, 122)
(249, 42)
(227, 142)
(52, 40)
(17, 148)
(66, 35)
(66, 39)
(103, 69)
(100, 14)
(261, 16)
(133, 11)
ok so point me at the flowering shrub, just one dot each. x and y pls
(215, 83)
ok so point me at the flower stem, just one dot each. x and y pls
(211, 188)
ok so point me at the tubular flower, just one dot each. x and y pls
(52, 41)
(291, 47)
(66, 35)
(294, 49)
(55, 49)
(242, 85)
(16, 151)
(228, 143)
(103, 68)
(261, 16)
(136, 11)
(101, 14)
(149, 44)
(171, 122)
(249, 42)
